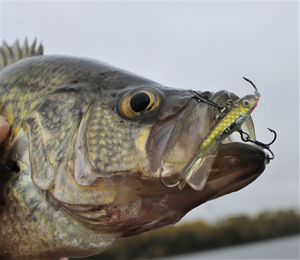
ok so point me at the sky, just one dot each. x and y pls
(200, 45)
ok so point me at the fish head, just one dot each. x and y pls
(113, 169)
(101, 143)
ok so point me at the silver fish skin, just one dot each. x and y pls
(81, 166)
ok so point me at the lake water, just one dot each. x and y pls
(281, 248)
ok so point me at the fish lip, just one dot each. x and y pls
(240, 155)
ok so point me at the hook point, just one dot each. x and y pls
(251, 84)
(275, 135)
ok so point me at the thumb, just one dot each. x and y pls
(4, 128)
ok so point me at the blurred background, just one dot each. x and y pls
(200, 45)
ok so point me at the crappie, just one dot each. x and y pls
(81, 166)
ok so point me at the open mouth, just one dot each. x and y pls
(197, 169)
(232, 116)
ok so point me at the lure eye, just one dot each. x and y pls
(139, 102)
(246, 103)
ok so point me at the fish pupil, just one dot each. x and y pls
(139, 102)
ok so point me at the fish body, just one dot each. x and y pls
(81, 166)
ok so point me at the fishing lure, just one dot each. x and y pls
(229, 119)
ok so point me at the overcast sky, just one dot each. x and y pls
(203, 45)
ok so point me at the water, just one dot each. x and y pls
(281, 248)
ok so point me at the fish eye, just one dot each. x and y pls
(139, 102)
(246, 103)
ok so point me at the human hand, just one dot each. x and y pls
(4, 128)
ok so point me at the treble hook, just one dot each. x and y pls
(199, 97)
(264, 146)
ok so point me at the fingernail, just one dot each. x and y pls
(2, 119)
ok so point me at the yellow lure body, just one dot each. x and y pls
(231, 119)
(225, 125)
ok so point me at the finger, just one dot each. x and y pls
(4, 128)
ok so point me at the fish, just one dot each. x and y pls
(90, 144)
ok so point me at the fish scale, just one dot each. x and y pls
(59, 236)
(107, 153)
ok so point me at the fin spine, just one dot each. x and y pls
(11, 54)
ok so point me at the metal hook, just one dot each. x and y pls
(264, 146)
(199, 97)
(163, 183)
(251, 83)
(256, 91)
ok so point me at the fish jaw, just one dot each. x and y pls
(236, 166)
(143, 204)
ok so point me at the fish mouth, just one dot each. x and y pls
(231, 162)
(179, 148)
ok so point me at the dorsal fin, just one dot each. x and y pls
(14, 53)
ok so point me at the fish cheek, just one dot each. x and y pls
(141, 141)
(113, 144)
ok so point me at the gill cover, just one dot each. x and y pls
(57, 150)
